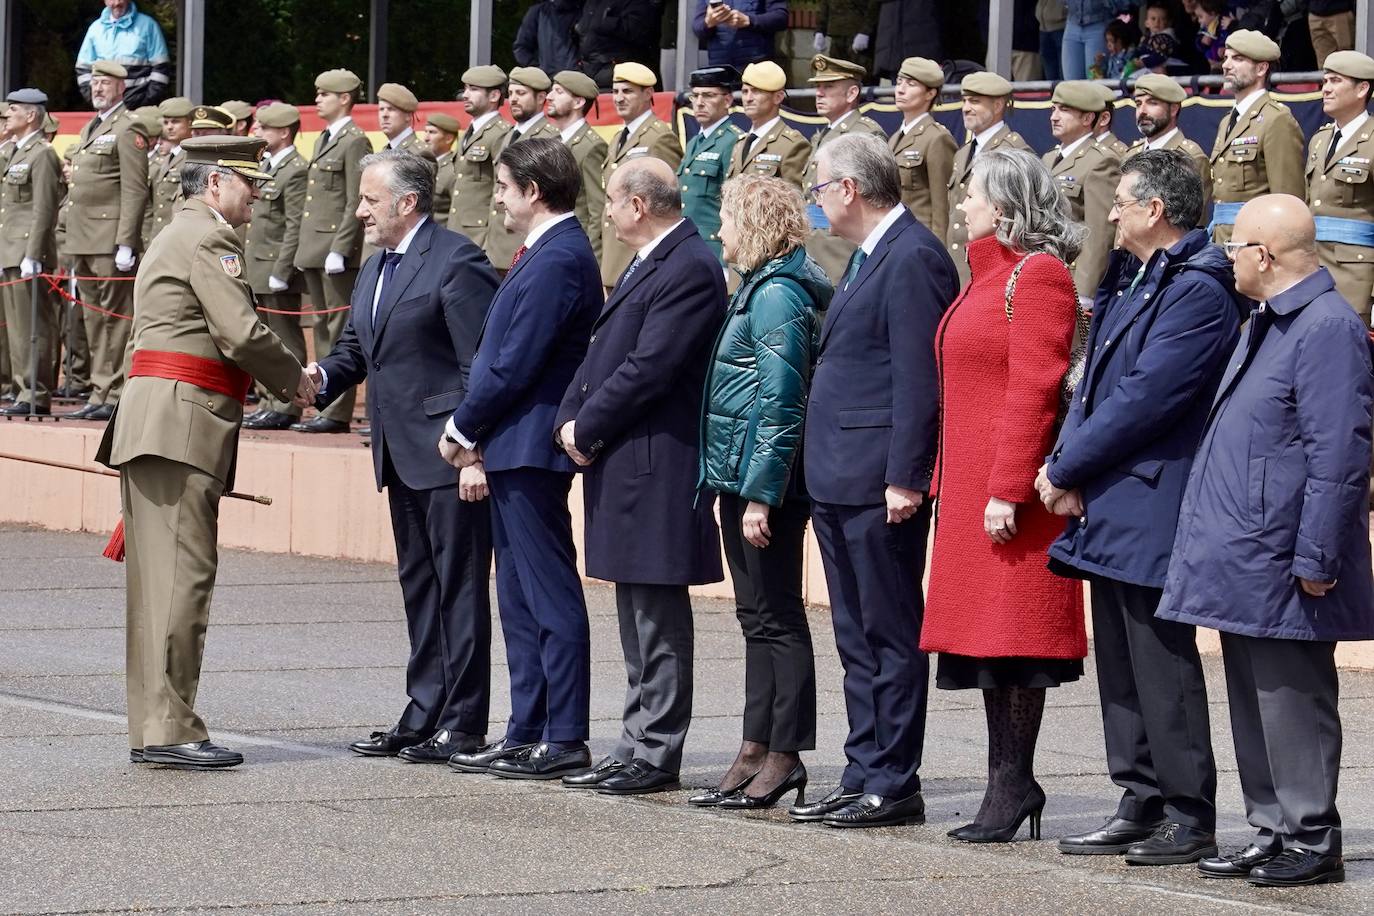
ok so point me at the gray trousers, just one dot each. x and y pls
(657, 639)
(1287, 732)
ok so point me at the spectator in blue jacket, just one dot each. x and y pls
(738, 33)
(133, 39)
(546, 38)
(1085, 33)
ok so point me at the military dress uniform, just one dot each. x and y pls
(443, 187)
(781, 152)
(702, 172)
(164, 183)
(925, 161)
(474, 175)
(501, 242)
(1087, 179)
(1112, 145)
(653, 138)
(957, 239)
(590, 151)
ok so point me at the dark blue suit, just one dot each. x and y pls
(872, 421)
(534, 339)
(415, 355)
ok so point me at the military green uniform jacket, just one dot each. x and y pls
(830, 251)
(782, 152)
(925, 160)
(1343, 189)
(474, 173)
(501, 242)
(1263, 155)
(1087, 178)
(414, 143)
(956, 239)
(589, 150)
(651, 138)
(443, 187)
(1112, 144)
(29, 198)
(1194, 152)
(274, 233)
(702, 172)
(190, 297)
(109, 185)
(329, 221)
(164, 183)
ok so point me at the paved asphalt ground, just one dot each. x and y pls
(305, 655)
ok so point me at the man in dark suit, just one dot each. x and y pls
(417, 309)
(870, 443)
(534, 339)
(630, 418)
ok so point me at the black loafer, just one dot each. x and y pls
(194, 755)
(639, 778)
(1111, 839)
(385, 744)
(1173, 844)
(1236, 864)
(270, 419)
(542, 762)
(607, 768)
(1295, 867)
(21, 409)
(480, 760)
(82, 413)
(441, 746)
(876, 811)
(320, 425)
(838, 798)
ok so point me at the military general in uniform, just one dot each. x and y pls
(704, 167)
(1340, 192)
(528, 91)
(769, 147)
(571, 95)
(441, 132)
(104, 218)
(196, 347)
(331, 236)
(474, 170)
(1258, 149)
(923, 147)
(1158, 100)
(1086, 173)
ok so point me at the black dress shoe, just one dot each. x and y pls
(253, 416)
(1173, 844)
(385, 744)
(441, 746)
(1236, 864)
(73, 393)
(639, 778)
(876, 811)
(838, 798)
(101, 413)
(1295, 867)
(1111, 839)
(22, 409)
(743, 801)
(712, 797)
(270, 419)
(479, 760)
(543, 761)
(608, 767)
(195, 755)
(82, 413)
(136, 755)
(320, 425)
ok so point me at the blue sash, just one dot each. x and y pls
(817, 217)
(1346, 231)
(1224, 215)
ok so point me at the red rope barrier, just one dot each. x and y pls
(263, 308)
(54, 284)
(57, 288)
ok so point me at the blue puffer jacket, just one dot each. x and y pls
(756, 391)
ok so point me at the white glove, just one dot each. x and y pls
(124, 258)
(861, 42)
(28, 268)
(334, 263)
(819, 42)
(277, 286)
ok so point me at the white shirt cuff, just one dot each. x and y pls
(324, 381)
(453, 433)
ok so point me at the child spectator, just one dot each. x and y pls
(1214, 25)
(1120, 59)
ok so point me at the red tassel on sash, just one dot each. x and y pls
(115, 549)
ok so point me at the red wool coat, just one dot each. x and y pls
(999, 390)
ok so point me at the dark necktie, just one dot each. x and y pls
(1058, 158)
(322, 142)
(630, 271)
(1331, 150)
(749, 139)
(519, 253)
(972, 148)
(820, 135)
(856, 263)
(467, 136)
(1235, 119)
(389, 261)
(621, 140)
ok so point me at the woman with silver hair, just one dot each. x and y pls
(1001, 621)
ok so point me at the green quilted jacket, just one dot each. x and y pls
(755, 401)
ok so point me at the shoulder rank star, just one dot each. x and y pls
(231, 264)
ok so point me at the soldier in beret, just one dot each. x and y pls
(331, 238)
(769, 148)
(164, 174)
(1102, 130)
(1158, 100)
(1258, 149)
(704, 167)
(923, 147)
(104, 220)
(243, 116)
(839, 86)
(570, 97)
(396, 117)
(987, 97)
(1339, 190)
(1086, 173)
(474, 173)
(528, 91)
(441, 131)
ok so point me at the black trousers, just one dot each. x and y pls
(1154, 708)
(656, 637)
(779, 665)
(1287, 731)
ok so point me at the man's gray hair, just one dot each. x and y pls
(408, 174)
(867, 161)
(661, 198)
(1035, 216)
(195, 177)
(1171, 176)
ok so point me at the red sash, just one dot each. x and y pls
(210, 374)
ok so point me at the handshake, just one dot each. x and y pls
(312, 381)
(1060, 502)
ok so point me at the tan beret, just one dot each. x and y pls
(1079, 94)
(444, 122)
(924, 71)
(279, 114)
(1353, 64)
(826, 69)
(532, 77)
(211, 117)
(50, 124)
(1107, 92)
(1254, 45)
(398, 96)
(240, 109)
(176, 107)
(151, 119)
(109, 68)
(765, 75)
(338, 81)
(578, 83)
(487, 76)
(1160, 87)
(984, 83)
(637, 74)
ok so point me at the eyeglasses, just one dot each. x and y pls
(1234, 248)
(1123, 204)
(814, 194)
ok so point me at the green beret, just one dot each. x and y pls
(109, 68)
(983, 82)
(50, 125)
(826, 69)
(399, 96)
(242, 154)
(1254, 45)
(1353, 64)
(338, 81)
(1160, 87)
(240, 109)
(578, 83)
(1079, 94)
(445, 122)
(150, 118)
(532, 77)
(924, 71)
(279, 114)
(176, 107)
(487, 76)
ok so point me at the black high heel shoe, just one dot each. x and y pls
(713, 797)
(1031, 807)
(795, 780)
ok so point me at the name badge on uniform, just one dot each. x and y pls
(1066, 179)
(637, 151)
(231, 264)
(708, 156)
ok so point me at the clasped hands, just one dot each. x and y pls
(567, 439)
(472, 476)
(1056, 500)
